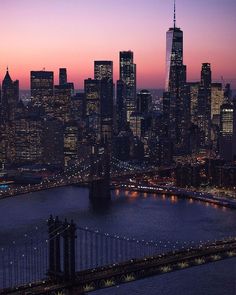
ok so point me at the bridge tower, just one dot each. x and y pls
(54, 247)
(69, 236)
(100, 175)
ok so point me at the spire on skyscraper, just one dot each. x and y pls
(174, 14)
(7, 78)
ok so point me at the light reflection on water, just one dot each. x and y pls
(144, 216)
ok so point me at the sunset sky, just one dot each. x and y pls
(37, 34)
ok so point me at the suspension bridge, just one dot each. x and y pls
(59, 256)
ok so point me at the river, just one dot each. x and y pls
(143, 216)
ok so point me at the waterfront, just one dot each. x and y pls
(137, 215)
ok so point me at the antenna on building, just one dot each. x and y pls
(174, 14)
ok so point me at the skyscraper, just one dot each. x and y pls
(179, 93)
(62, 76)
(144, 101)
(53, 142)
(28, 139)
(103, 69)
(128, 76)
(174, 53)
(107, 104)
(120, 105)
(234, 130)
(194, 89)
(93, 107)
(103, 72)
(226, 130)
(217, 99)
(204, 105)
(70, 143)
(10, 98)
(8, 110)
(62, 102)
(42, 84)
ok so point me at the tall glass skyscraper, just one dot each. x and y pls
(174, 52)
(178, 93)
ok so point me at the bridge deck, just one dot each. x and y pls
(135, 269)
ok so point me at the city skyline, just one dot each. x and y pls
(50, 41)
(118, 157)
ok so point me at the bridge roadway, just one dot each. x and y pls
(116, 274)
(65, 181)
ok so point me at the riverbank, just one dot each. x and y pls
(181, 193)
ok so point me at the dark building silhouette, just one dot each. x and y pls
(226, 131)
(121, 105)
(62, 101)
(234, 130)
(103, 72)
(204, 105)
(78, 106)
(28, 139)
(42, 90)
(107, 105)
(174, 53)
(144, 101)
(53, 142)
(128, 76)
(217, 99)
(103, 69)
(62, 76)
(93, 107)
(121, 145)
(71, 143)
(179, 93)
(9, 99)
(194, 89)
(137, 124)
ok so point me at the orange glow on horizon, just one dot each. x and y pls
(49, 34)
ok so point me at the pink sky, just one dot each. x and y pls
(74, 33)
